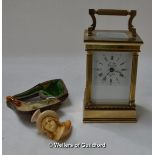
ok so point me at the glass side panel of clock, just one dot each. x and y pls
(111, 77)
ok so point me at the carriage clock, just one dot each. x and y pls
(111, 69)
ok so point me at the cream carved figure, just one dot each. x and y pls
(48, 123)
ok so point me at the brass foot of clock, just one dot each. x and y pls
(111, 70)
(109, 116)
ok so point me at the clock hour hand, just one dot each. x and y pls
(105, 77)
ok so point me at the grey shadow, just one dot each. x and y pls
(25, 119)
(60, 113)
(66, 103)
(143, 115)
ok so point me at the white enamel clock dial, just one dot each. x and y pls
(111, 77)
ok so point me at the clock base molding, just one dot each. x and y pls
(98, 116)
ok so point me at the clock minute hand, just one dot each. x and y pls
(119, 73)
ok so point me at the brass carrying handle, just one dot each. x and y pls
(112, 12)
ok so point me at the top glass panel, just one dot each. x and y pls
(111, 36)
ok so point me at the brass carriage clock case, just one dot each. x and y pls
(106, 82)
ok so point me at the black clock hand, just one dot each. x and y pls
(106, 76)
(119, 73)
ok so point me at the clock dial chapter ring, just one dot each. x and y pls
(111, 69)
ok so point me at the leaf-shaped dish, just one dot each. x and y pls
(46, 95)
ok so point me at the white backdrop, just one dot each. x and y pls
(42, 40)
(55, 27)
